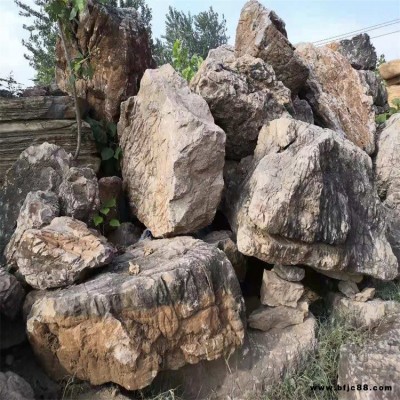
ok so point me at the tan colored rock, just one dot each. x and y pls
(278, 292)
(261, 34)
(390, 69)
(348, 288)
(373, 363)
(184, 305)
(337, 96)
(173, 155)
(224, 241)
(365, 295)
(293, 208)
(61, 253)
(11, 294)
(393, 94)
(266, 318)
(289, 272)
(13, 387)
(243, 94)
(259, 364)
(119, 50)
(393, 81)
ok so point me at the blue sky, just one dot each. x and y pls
(306, 21)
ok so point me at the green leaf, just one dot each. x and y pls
(73, 13)
(107, 153)
(105, 210)
(112, 128)
(381, 118)
(118, 153)
(115, 223)
(111, 203)
(79, 4)
(98, 219)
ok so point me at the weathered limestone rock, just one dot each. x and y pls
(243, 94)
(278, 292)
(294, 208)
(111, 34)
(13, 387)
(79, 194)
(365, 295)
(289, 272)
(33, 120)
(182, 305)
(224, 241)
(375, 363)
(390, 70)
(348, 288)
(173, 155)
(261, 34)
(376, 89)
(61, 253)
(387, 168)
(11, 294)
(303, 111)
(37, 168)
(125, 235)
(261, 363)
(336, 94)
(266, 318)
(37, 211)
(358, 50)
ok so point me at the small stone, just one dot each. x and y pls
(289, 273)
(348, 288)
(365, 295)
(134, 269)
(278, 292)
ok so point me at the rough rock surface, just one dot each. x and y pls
(365, 295)
(11, 294)
(289, 272)
(119, 54)
(336, 94)
(37, 168)
(261, 34)
(376, 89)
(390, 70)
(125, 235)
(262, 362)
(37, 211)
(174, 155)
(308, 199)
(243, 94)
(302, 110)
(79, 194)
(375, 363)
(358, 50)
(348, 288)
(393, 93)
(267, 318)
(224, 241)
(13, 387)
(60, 253)
(182, 304)
(387, 168)
(278, 292)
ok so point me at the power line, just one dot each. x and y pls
(368, 28)
(385, 34)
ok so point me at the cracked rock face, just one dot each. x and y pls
(376, 89)
(181, 303)
(337, 96)
(262, 34)
(308, 198)
(173, 155)
(243, 94)
(359, 51)
(115, 37)
(61, 253)
(11, 294)
(387, 167)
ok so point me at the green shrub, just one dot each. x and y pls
(185, 65)
(382, 118)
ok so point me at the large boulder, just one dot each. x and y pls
(61, 253)
(374, 364)
(376, 89)
(161, 305)
(262, 362)
(119, 49)
(173, 155)
(11, 294)
(37, 168)
(13, 387)
(387, 167)
(243, 94)
(390, 70)
(262, 34)
(358, 50)
(337, 96)
(308, 198)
